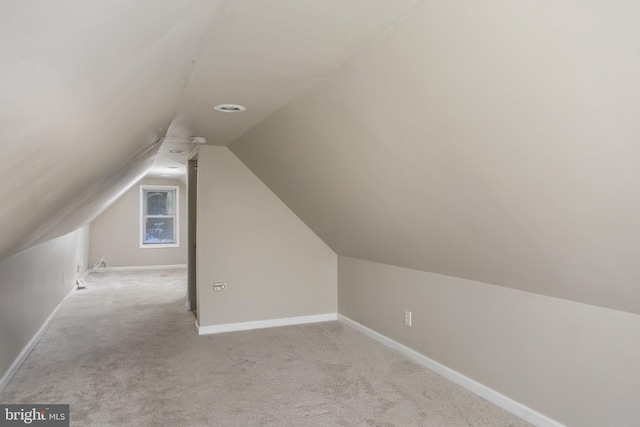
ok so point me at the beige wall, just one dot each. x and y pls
(32, 284)
(575, 363)
(116, 233)
(494, 141)
(274, 265)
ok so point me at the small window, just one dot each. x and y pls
(158, 216)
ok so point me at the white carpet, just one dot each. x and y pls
(125, 352)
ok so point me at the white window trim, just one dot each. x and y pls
(176, 224)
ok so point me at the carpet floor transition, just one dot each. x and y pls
(125, 352)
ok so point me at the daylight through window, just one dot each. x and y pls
(159, 216)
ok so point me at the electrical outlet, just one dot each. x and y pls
(407, 317)
(220, 286)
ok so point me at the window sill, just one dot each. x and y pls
(159, 245)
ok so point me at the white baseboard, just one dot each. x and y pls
(261, 324)
(498, 399)
(32, 343)
(148, 267)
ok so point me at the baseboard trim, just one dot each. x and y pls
(148, 267)
(530, 415)
(8, 375)
(262, 324)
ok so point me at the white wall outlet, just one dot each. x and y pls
(407, 317)
(220, 286)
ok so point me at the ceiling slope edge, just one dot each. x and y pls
(420, 152)
(87, 104)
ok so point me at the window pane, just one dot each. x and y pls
(158, 230)
(160, 202)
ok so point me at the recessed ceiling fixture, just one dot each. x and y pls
(172, 167)
(164, 175)
(230, 108)
(176, 151)
(198, 140)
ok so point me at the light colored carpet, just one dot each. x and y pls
(125, 352)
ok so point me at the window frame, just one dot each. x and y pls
(176, 219)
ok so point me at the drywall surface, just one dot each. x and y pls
(264, 53)
(274, 265)
(32, 284)
(494, 141)
(89, 89)
(572, 362)
(116, 233)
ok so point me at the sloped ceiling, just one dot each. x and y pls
(87, 90)
(494, 141)
(264, 53)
